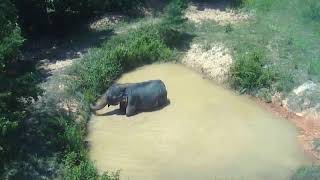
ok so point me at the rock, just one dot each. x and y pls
(304, 100)
(309, 85)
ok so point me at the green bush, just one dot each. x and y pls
(174, 13)
(307, 173)
(10, 38)
(249, 73)
(173, 25)
(102, 66)
(15, 91)
(79, 167)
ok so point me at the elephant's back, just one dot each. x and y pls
(159, 88)
(149, 93)
(150, 86)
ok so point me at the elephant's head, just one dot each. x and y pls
(113, 96)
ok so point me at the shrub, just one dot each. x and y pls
(10, 38)
(122, 53)
(173, 24)
(174, 12)
(15, 91)
(79, 167)
(16, 94)
(248, 73)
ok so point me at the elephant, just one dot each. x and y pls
(133, 97)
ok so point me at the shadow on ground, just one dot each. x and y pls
(45, 50)
(221, 5)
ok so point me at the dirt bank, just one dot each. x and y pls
(214, 63)
(309, 128)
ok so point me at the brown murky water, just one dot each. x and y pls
(207, 133)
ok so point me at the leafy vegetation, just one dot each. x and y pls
(17, 89)
(52, 16)
(10, 38)
(122, 53)
(249, 73)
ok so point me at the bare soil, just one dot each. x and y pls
(213, 61)
(204, 12)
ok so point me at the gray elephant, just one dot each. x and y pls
(133, 97)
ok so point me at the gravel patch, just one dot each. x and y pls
(213, 62)
(222, 17)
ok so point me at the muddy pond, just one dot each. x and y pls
(207, 132)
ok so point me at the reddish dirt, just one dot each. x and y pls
(309, 128)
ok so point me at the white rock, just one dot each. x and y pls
(309, 85)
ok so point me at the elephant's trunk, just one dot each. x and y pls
(103, 102)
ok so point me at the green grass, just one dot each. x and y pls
(285, 31)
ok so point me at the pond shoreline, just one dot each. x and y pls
(234, 138)
(308, 127)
